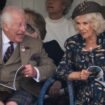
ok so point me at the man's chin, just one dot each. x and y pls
(19, 40)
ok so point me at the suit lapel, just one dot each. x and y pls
(21, 53)
(14, 56)
(24, 53)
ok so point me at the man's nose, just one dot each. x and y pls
(23, 28)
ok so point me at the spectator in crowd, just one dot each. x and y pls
(85, 50)
(36, 28)
(58, 27)
(17, 49)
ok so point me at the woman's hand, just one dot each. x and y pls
(79, 75)
(84, 74)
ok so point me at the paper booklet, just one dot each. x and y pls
(13, 87)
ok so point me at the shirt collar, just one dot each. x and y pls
(5, 39)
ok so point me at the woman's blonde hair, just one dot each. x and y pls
(97, 21)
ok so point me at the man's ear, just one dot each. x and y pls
(5, 27)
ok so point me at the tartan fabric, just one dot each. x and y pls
(4, 95)
(23, 98)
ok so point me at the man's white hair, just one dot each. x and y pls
(7, 14)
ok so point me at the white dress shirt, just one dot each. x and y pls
(5, 44)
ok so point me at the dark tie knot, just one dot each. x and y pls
(11, 46)
(11, 43)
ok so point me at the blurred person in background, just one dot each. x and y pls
(58, 27)
(36, 28)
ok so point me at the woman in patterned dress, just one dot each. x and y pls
(83, 50)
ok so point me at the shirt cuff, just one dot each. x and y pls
(38, 75)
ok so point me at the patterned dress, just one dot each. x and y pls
(89, 92)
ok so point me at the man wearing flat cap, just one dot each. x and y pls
(84, 58)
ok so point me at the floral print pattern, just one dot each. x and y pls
(88, 92)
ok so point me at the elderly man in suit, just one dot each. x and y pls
(17, 49)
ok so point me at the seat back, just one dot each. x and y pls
(47, 84)
(71, 93)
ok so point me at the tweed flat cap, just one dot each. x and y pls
(86, 7)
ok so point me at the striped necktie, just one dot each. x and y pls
(9, 52)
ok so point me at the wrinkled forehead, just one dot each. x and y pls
(17, 18)
(11, 11)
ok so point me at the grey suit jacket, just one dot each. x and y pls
(30, 51)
